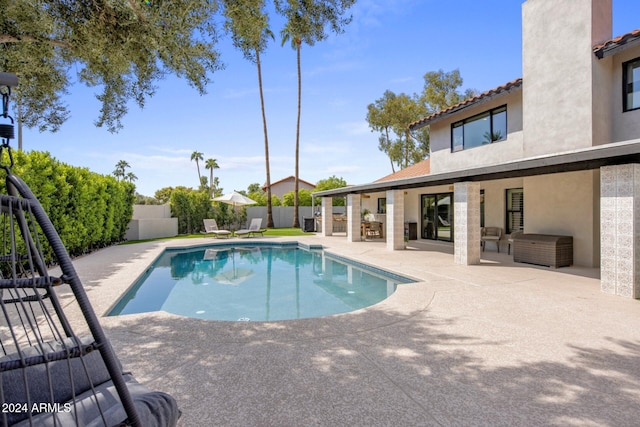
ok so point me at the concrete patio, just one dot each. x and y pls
(496, 344)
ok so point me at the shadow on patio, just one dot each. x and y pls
(379, 367)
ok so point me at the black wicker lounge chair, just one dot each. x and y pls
(53, 373)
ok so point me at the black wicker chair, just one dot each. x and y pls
(53, 373)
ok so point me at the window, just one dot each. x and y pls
(485, 128)
(382, 205)
(515, 210)
(631, 85)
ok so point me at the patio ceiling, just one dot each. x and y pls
(576, 160)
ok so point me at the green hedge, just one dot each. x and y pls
(88, 210)
(192, 206)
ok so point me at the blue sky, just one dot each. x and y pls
(390, 45)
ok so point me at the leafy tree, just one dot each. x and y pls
(190, 207)
(379, 119)
(441, 90)
(275, 200)
(329, 184)
(405, 110)
(394, 112)
(306, 22)
(163, 195)
(211, 164)
(260, 197)
(122, 47)
(304, 198)
(146, 200)
(197, 157)
(254, 188)
(249, 26)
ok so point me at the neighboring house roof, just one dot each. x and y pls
(289, 178)
(417, 169)
(476, 100)
(617, 44)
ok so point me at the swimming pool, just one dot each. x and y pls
(256, 282)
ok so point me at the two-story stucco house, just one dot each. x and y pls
(554, 152)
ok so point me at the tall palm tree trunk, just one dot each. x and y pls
(211, 183)
(393, 168)
(266, 144)
(296, 220)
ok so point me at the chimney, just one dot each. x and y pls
(560, 72)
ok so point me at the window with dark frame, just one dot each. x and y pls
(382, 205)
(481, 129)
(515, 210)
(631, 85)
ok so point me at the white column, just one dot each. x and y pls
(395, 220)
(327, 216)
(466, 214)
(620, 230)
(353, 217)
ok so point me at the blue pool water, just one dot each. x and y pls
(252, 282)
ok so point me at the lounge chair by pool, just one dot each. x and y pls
(254, 228)
(211, 227)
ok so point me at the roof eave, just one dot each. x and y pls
(612, 48)
(592, 158)
(510, 88)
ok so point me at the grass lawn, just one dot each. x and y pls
(287, 232)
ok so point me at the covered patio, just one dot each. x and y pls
(614, 211)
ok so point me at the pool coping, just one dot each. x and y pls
(387, 274)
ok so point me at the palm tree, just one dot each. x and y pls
(306, 22)
(131, 177)
(290, 32)
(197, 156)
(211, 164)
(249, 27)
(121, 167)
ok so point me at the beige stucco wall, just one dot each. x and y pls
(566, 204)
(495, 202)
(626, 126)
(443, 160)
(560, 73)
(284, 187)
(151, 222)
(151, 211)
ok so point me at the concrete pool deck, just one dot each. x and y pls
(496, 344)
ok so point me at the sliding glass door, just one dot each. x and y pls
(437, 216)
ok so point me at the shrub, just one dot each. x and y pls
(88, 210)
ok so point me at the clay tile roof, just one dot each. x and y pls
(617, 44)
(418, 169)
(485, 96)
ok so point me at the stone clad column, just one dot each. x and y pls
(620, 230)
(353, 217)
(395, 220)
(327, 216)
(466, 214)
